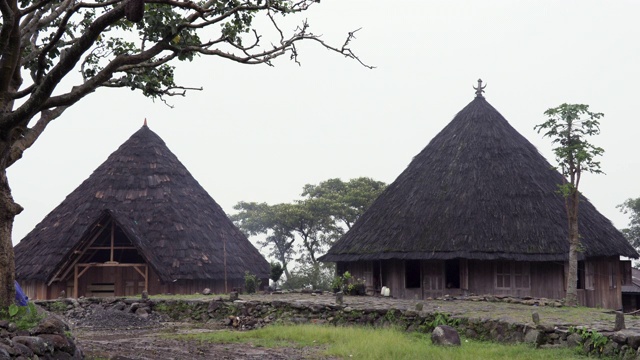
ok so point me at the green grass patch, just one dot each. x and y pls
(369, 343)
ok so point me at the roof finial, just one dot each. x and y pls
(145, 122)
(480, 88)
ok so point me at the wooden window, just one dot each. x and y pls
(412, 274)
(503, 275)
(512, 274)
(521, 275)
(588, 276)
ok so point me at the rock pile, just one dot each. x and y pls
(49, 340)
(112, 313)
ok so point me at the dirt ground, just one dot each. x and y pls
(119, 335)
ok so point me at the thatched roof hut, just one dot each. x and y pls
(173, 223)
(478, 190)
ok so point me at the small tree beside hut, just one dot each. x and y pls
(568, 126)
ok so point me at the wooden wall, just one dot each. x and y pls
(545, 279)
(126, 282)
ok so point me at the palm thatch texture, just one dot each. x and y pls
(478, 190)
(177, 228)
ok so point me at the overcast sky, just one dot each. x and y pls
(259, 133)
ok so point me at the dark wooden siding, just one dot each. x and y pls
(543, 279)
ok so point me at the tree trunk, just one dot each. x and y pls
(574, 245)
(8, 210)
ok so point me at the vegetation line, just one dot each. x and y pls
(369, 343)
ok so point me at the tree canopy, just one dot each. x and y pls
(631, 207)
(129, 44)
(305, 229)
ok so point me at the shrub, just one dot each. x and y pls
(251, 282)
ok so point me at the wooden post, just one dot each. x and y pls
(113, 230)
(146, 278)
(75, 281)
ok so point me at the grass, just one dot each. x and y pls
(369, 343)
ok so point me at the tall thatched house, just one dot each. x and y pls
(140, 221)
(477, 212)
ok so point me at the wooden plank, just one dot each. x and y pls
(75, 281)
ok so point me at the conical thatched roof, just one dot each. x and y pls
(172, 221)
(479, 190)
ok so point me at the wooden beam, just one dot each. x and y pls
(73, 262)
(113, 235)
(140, 272)
(109, 247)
(83, 271)
(111, 265)
(75, 282)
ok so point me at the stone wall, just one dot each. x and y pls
(252, 314)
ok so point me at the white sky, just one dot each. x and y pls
(259, 133)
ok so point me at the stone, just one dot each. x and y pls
(59, 342)
(610, 349)
(206, 291)
(23, 350)
(419, 306)
(36, 344)
(233, 296)
(11, 327)
(142, 312)
(119, 306)
(4, 324)
(619, 321)
(51, 325)
(213, 306)
(4, 354)
(471, 334)
(534, 337)
(134, 306)
(444, 335)
(574, 340)
(145, 295)
(634, 340)
(339, 297)
(63, 294)
(536, 318)
(5, 348)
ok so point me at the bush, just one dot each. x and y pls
(251, 282)
(25, 317)
(348, 284)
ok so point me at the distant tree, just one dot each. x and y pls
(348, 199)
(631, 207)
(270, 220)
(307, 227)
(117, 44)
(568, 126)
